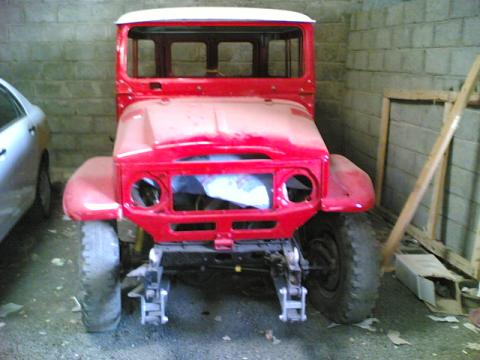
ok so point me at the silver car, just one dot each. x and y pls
(24, 159)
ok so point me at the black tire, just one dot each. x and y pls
(347, 290)
(100, 296)
(42, 205)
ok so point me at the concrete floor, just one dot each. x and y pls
(47, 328)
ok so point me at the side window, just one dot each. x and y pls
(9, 109)
(189, 59)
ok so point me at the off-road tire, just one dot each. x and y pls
(42, 205)
(356, 291)
(100, 296)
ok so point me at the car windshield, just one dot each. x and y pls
(215, 51)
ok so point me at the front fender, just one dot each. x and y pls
(90, 192)
(349, 188)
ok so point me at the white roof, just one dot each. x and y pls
(212, 14)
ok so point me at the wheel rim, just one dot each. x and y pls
(44, 191)
(324, 253)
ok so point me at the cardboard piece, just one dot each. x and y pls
(419, 272)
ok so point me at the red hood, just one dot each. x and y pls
(181, 127)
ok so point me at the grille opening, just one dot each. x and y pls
(223, 257)
(203, 226)
(225, 157)
(252, 225)
(222, 192)
(298, 188)
(146, 192)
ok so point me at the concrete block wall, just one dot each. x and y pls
(60, 54)
(418, 44)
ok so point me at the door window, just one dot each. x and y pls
(9, 108)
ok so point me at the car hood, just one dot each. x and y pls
(175, 128)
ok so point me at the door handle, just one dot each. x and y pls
(32, 130)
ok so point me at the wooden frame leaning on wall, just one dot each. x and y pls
(427, 237)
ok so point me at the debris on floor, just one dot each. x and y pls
(77, 307)
(58, 262)
(9, 308)
(226, 338)
(473, 346)
(471, 327)
(270, 337)
(2, 324)
(395, 338)
(449, 319)
(218, 318)
(367, 324)
(430, 280)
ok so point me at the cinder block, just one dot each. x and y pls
(46, 51)
(12, 14)
(413, 61)
(402, 37)
(453, 234)
(437, 61)
(71, 159)
(58, 71)
(106, 12)
(369, 39)
(361, 60)
(105, 125)
(358, 80)
(95, 107)
(330, 72)
(74, 13)
(24, 33)
(377, 18)
(448, 33)
(414, 11)
(355, 40)
(331, 33)
(464, 183)
(375, 60)
(15, 52)
(471, 31)
(394, 15)
(64, 142)
(57, 32)
(422, 35)
(384, 39)
(437, 10)
(465, 8)
(41, 12)
(51, 89)
(393, 60)
(87, 32)
(80, 51)
(462, 60)
(362, 22)
(22, 70)
(96, 142)
(92, 70)
(465, 155)
(105, 50)
(469, 128)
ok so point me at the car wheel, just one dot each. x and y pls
(100, 296)
(42, 205)
(345, 277)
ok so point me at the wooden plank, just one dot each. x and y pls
(382, 150)
(438, 186)
(432, 163)
(434, 246)
(429, 95)
(475, 261)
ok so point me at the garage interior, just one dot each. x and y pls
(377, 61)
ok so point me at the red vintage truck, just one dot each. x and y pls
(217, 154)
